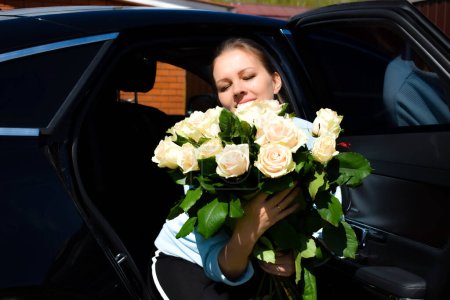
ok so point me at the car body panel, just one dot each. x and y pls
(74, 149)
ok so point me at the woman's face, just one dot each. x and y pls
(241, 77)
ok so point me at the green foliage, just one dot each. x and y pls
(329, 208)
(233, 130)
(310, 289)
(236, 210)
(341, 239)
(211, 217)
(187, 227)
(191, 198)
(353, 168)
(214, 203)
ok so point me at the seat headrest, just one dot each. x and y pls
(136, 73)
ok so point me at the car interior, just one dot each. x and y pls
(117, 139)
(402, 237)
(116, 143)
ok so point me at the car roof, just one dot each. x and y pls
(52, 24)
(43, 11)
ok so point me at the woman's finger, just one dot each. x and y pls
(279, 269)
(281, 203)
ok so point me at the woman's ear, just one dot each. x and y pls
(276, 78)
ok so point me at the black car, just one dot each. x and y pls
(81, 201)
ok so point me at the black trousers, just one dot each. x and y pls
(177, 279)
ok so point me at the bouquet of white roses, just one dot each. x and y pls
(226, 157)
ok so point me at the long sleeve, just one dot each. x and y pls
(209, 250)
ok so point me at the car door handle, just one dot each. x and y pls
(366, 234)
(376, 235)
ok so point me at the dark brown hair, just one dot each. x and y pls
(248, 46)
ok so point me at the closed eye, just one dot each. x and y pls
(222, 89)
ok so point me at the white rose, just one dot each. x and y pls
(210, 148)
(210, 124)
(283, 131)
(324, 148)
(166, 154)
(233, 161)
(187, 160)
(199, 124)
(186, 128)
(275, 160)
(327, 122)
(251, 111)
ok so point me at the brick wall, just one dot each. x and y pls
(438, 11)
(169, 92)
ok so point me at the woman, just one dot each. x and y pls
(219, 267)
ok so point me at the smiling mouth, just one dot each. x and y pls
(245, 100)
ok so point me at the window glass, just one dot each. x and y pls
(44, 242)
(36, 217)
(374, 78)
(168, 92)
(32, 88)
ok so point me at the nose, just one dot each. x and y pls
(238, 90)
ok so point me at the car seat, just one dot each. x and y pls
(413, 96)
(131, 191)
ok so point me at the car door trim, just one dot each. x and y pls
(56, 46)
(19, 131)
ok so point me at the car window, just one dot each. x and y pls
(176, 91)
(33, 87)
(49, 253)
(375, 78)
(35, 207)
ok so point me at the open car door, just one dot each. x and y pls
(385, 68)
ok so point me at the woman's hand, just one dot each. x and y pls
(284, 265)
(260, 213)
(263, 212)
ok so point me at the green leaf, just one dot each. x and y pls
(264, 250)
(301, 156)
(275, 185)
(266, 242)
(299, 166)
(352, 241)
(310, 250)
(191, 198)
(236, 210)
(298, 268)
(174, 212)
(284, 107)
(177, 176)
(187, 227)
(329, 208)
(353, 168)
(263, 254)
(316, 184)
(208, 184)
(207, 166)
(284, 236)
(226, 125)
(310, 289)
(246, 132)
(231, 127)
(341, 240)
(181, 140)
(211, 217)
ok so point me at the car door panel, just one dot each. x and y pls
(400, 211)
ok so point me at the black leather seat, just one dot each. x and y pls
(129, 189)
